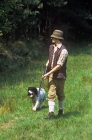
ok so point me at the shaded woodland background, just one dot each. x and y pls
(26, 26)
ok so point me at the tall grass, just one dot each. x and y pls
(19, 122)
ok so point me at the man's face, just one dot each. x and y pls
(53, 40)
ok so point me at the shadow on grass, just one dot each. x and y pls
(69, 114)
(43, 107)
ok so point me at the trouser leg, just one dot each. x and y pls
(51, 98)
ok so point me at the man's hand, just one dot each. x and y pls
(45, 75)
(52, 71)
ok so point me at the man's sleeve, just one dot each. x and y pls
(62, 57)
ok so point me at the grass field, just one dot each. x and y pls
(19, 122)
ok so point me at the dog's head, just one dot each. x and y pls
(32, 91)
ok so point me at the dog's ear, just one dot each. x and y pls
(33, 89)
(28, 88)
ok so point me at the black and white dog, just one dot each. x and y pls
(38, 97)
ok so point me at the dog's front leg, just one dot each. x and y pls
(36, 105)
(34, 108)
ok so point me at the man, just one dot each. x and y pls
(56, 74)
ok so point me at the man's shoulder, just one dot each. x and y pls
(51, 48)
(64, 52)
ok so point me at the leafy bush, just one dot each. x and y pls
(19, 54)
(36, 49)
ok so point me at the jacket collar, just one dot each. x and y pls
(59, 46)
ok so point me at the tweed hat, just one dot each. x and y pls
(57, 34)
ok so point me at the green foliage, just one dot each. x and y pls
(1, 33)
(19, 55)
(78, 17)
(35, 2)
(36, 49)
(30, 19)
(57, 3)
